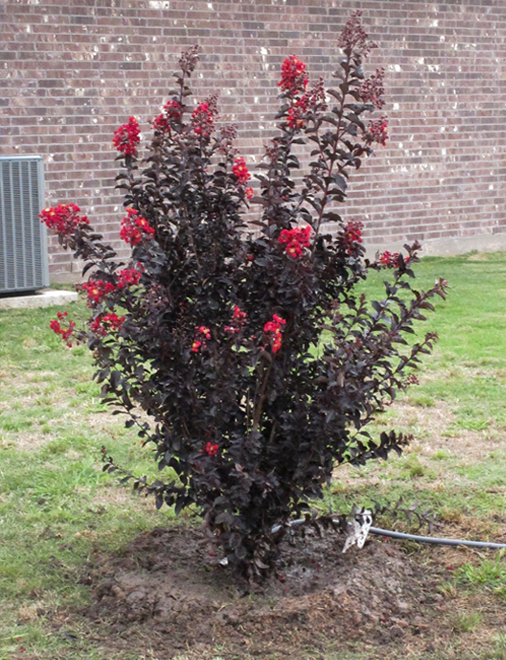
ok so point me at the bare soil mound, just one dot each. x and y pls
(167, 588)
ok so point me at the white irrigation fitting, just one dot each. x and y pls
(357, 533)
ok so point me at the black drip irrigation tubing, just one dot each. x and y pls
(431, 539)
(414, 537)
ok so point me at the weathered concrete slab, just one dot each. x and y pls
(447, 247)
(44, 298)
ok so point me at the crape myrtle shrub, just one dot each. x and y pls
(258, 362)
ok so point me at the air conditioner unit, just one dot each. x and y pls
(23, 241)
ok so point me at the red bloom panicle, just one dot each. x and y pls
(113, 321)
(238, 321)
(354, 231)
(104, 324)
(239, 315)
(211, 449)
(316, 97)
(228, 133)
(66, 333)
(294, 250)
(63, 218)
(128, 277)
(295, 239)
(385, 258)
(295, 116)
(293, 79)
(203, 119)
(240, 170)
(312, 101)
(353, 36)
(248, 193)
(172, 114)
(273, 330)
(392, 259)
(134, 227)
(201, 335)
(97, 290)
(351, 236)
(377, 131)
(161, 124)
(95, 326)
(205, 332)
(127, 137)
(172, 110)
(372, 90)
(189, 58)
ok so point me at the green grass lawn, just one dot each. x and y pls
(58, 509)
(458, 411)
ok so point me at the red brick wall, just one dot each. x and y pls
(72, 71)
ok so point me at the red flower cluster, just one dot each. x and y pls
(293, 79)
(354, 231)
(411, 380)
(203, 119)
(127, 137)
(317, 96)
(202, 334)
(248, 192)
(161, 124)
(352, 234)
(377, 131)
(63, 218)
(241, 171)
(391, 259)
(104, 324)
(134, 227)
(295, 115)
(273, 329)
(128, 277)
(372, 90)
(96, 290)
(295, 240)
(66, 334)
(211, 449)
(172, 113)
(238, 321)
(309, 101)
(239, 316)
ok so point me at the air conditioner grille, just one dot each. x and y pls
(23, 251)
